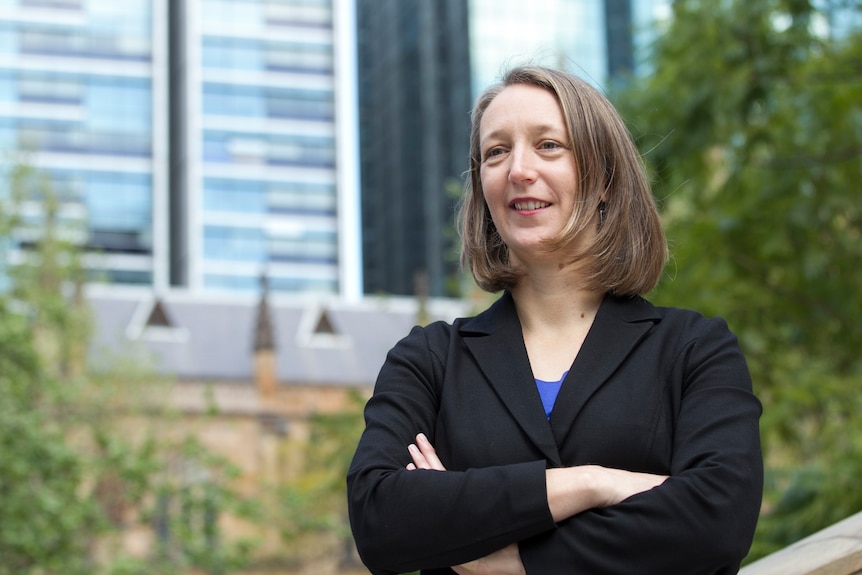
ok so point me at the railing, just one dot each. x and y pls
(837, 550)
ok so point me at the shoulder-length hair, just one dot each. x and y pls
(627, 252)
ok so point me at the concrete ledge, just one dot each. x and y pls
(836, 550)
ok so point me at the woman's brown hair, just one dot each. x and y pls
(627, 253)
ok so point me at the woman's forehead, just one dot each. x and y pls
(522, 105)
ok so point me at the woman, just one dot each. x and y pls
(578, 428)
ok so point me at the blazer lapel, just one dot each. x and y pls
(495, 339)
(618, 327)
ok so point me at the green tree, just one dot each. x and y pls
(74, 475)
(40, 474)
(312, 508)
(751, 126)
(43, 516)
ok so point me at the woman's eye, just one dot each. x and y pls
(493, 152)
(550, 145)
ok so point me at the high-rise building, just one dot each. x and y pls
(205, 142)
(414, 101)
(78, 100)
(598, 40)
(257, 96)
(421, 64)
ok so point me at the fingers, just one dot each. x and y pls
(429, 452)
(625, 484)
(424, 455)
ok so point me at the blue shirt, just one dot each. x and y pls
(548, 390)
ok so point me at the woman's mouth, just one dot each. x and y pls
(529, 205)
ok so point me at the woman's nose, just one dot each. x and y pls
(522, 167)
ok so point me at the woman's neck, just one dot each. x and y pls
(556, 315)
(554, 301)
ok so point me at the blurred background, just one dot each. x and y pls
(218, 216)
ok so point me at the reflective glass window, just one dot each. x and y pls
(232, 283)
(317, 199)
(234, 195)
(61, 4)
(237, 12)
(248, 13)
(56, 41)
(227, 100)
(70, 137)
(234, 243)
(117, 206)
(119, 105)
(49, 88)
(248, 196)
(117, 116)
(266, 102)
(119, 201)
(116, 276)
(246, 54)
(293, 284)
(110, 29)
(237, 148)
(8, 38)
(308, 13)
(310, 247)
(234, 53)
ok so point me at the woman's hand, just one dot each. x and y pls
(572, 490)
(424, 455)
(506, 561)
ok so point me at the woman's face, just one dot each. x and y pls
(528, 171)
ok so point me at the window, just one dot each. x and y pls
(265, 102)
(241, 148)
(234, 243)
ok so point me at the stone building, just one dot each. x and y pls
(246, 375)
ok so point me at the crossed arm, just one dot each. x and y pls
(423, 516)
(571, 490)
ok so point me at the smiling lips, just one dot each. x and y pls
(529, 205)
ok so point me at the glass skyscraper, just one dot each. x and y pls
(262, 112)
(594, 39)
(200, 140)
(76, 100)
(414, 99)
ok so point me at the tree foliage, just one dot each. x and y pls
(75, 476)
(312, 507)
(751, 126)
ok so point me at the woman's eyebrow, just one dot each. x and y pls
(534, 130)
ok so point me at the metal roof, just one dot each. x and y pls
(317, 341)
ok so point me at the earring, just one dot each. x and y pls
(602, 213)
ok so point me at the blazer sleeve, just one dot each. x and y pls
(409, 520)
(702, 519)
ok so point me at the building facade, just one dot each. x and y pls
(77, 93)
(598, 40)
(256, 93)
(414, 103)
(203, 143)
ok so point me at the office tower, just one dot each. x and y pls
(205, 142)
(414, 100)
(421, 64)
(77, 101)
(257, 189)
(598, 40)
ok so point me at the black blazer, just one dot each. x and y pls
(658, 390)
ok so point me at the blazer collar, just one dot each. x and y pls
(495, 339)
